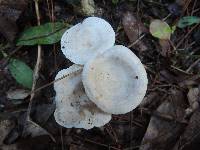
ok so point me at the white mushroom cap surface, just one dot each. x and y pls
(115, 80)
(73, 108)
(83, 40)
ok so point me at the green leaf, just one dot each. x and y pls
(160, 29)
(188, 21)
(48, 33)
(22, 73)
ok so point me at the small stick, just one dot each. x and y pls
(52, 82)
(193, 65)
(135, 42)
(37, 66)
(36, 76)
(182, 39)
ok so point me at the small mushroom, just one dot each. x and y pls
(73, 108)
(83, 40)
(115, 80)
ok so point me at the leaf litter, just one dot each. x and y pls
(166, 63)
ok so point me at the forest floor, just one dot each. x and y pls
(168, 117)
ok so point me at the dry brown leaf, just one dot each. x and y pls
(10, 11)
(133, 29)
(149, 99)
(181, 2)
(162, 134)
(193, 96)
(8, 29)
(32, 129)
(17, 94)
(189, 140)
(5, 128)
(165, 45)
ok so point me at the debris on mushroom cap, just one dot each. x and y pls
(73, 108)
(115, 80)
(83, 40)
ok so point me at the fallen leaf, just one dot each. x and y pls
(17, 94)
(189, 81)
(12, 137)
(9, 147)
(191, 136)
(161, 133)
(165, 47)
(134, 29)
(48, 33)
(193, 97)
(188, 21)
(10, 11)
(8, 29)
(181, 2)
(22, 73)
(150, 99)
(5, 127)
(168, 77)
(160, 29)
(32, 129)
(43, 112)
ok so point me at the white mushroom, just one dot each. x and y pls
(73, 108)
(115, 80)
(83, 40)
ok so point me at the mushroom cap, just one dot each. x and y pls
(83, 40)
(73, 107)
(115, 80)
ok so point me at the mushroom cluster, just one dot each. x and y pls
(105, 79)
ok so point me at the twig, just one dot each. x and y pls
(52, 82)
(178, 69)
(169, 15)
(193, 65)
(37, 66)
(36, 76)
(52, 11)
(111, 133)
(182, 39)
(135, 42)
(193, 7)
(186, 5)
(49, 12)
